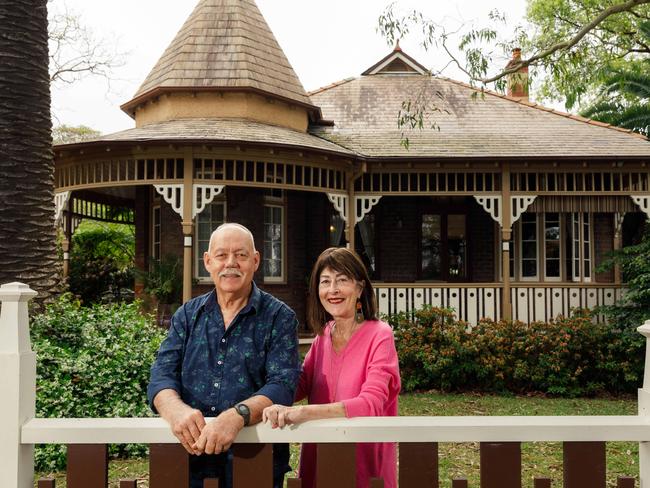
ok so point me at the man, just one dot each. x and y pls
(228, 354)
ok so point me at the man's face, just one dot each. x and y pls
(231, 261)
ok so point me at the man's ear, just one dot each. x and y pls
(257, 259)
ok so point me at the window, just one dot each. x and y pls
(212, 216)
(580, 246)
(443, 247)
(528, 246)
(552, 257)
(273, 257)
(155, 233)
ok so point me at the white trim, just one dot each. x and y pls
(518, 205)
(60, 204)
(207, 194)
(401, 57)
(187, 241)
(172, 194)
(340, 203)
(521, 251)
(643, 201)
(156, 208)
(363, 206)
(492, 205)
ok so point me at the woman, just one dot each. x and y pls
(351, 369)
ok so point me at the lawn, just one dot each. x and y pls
(542, 459)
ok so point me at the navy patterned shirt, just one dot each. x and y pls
(213, 368)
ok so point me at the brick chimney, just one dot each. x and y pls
(518, 81)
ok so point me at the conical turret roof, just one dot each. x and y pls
(224, 44)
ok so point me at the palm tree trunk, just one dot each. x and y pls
(27, 234)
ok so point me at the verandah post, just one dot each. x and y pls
(644, 410)
(18, 386)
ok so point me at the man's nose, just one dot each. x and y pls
(231, 261)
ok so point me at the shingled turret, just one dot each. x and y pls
(224, 62)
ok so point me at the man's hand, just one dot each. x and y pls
(186, 422)
(218, 435)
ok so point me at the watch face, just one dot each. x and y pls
(244, 411)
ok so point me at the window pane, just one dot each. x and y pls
(273, 242)
(553, 268)
(431, 247)
(552, 250)
(528, 268)
(457, 245)
(529, 250)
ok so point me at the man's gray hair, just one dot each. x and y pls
(232, 225)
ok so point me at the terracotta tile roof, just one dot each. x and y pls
(221, 130)
(225, 44)
(365, 111)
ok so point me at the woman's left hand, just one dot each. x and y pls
(281, 415)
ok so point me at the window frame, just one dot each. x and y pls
(275, 202)
(198, 254)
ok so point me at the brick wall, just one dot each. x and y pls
(480, 231)
(398, 248)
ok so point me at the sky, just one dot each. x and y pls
(325, 41)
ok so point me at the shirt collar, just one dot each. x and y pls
(209, 301)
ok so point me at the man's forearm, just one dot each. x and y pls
(167, 401)
(256, 404)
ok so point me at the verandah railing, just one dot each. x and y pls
(500, 438)
(474, 301)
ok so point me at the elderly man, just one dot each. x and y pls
(228, 354)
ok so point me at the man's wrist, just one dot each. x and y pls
(244, 412)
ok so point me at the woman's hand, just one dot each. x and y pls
(280, 415)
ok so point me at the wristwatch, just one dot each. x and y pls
(243, 410)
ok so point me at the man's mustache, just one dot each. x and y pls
(230, 272)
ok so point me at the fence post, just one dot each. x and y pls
(17, 386)
(644, 410)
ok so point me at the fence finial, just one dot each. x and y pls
(14, 321)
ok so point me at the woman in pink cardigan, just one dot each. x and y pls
(351, 369)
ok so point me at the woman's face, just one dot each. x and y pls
(338, 293)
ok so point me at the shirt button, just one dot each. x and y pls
(213, 408)
(220, 362)
(216, 385)
(223, 340)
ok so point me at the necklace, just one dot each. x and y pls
(340, 357)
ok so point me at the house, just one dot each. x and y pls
(504, 209)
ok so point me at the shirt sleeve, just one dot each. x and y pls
(282, 359)
(166, 369)
(382, 380)
(307, 374)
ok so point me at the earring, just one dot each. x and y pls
(358, 316)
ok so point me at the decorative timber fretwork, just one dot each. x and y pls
(104, 208)
(60, 203)
(492, 205)
(340, 203)
(518, 206)
(203, 195)
(75, 221)
(643, 201)
(172, 194)
(364, 206)
(115, 172)
(587, 182)
(268, 174)
(427, 183)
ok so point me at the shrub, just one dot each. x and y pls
(101, 263)
(567, 357)
(92, 362)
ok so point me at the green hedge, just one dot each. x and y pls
(92, 362)
(566, 357)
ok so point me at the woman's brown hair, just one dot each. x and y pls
(343, 261)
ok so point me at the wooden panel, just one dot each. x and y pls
(210, 483)
(539, 305)
(459, 483)
(46, 483)
(500, 465)
(294, 483)
(87, 466)
(400, 299)
(542, 483)
(584, 465)
(418, 464)
(472, 314)
(128, 484)
(252, 465)
(625, 482)
(168, 466)
(418, 298)
(336, 465)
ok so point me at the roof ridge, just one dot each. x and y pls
(577, 118)
(331, 85)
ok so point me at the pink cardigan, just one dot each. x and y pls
(365, 377)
